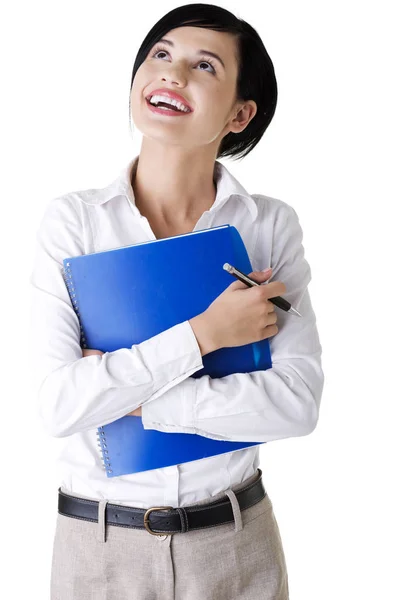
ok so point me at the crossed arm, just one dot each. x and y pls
(135, 413)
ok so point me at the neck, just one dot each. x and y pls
(172, 185)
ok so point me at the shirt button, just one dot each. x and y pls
(161, 537)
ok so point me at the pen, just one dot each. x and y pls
(278, 300)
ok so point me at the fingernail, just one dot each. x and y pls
(266, 270)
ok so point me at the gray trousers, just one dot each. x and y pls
(241, 560)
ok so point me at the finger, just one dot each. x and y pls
(273, 289)
(264, 274)
(258, 276)
(272, 319)
(90, 352)
(270, 306)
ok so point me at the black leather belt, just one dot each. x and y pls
(163, 520)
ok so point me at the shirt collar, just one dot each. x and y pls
(227, 186)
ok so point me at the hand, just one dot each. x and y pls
(241, 315)
(87, 352)
(136, 413)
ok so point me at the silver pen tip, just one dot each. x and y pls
(294, 311)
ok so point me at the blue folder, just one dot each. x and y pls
(127, 295)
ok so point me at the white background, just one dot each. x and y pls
(330, 152)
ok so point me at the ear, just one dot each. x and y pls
(245, 113)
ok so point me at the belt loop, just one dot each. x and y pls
(101, 532)
(184, 518)
(235, 509)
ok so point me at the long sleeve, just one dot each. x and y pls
(77, 393)
(259, 406)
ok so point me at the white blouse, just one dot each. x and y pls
(76, 395)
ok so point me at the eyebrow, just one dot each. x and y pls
(213, 54)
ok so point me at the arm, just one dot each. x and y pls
(77, 393)
(204, 339)
(265, 405)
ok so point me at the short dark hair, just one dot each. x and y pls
(256, 76)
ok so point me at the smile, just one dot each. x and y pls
(165, 111)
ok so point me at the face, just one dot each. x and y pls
(207, 86)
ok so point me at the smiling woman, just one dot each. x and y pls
(228, 67)
(218, 532)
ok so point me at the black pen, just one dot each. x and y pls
(278, 300)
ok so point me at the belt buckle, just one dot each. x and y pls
(146, 519)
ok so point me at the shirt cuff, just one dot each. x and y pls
(175, 356)
(174, 411)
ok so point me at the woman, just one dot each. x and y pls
(203, 87)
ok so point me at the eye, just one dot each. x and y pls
(205, 60)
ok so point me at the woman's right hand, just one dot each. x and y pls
(241, 315)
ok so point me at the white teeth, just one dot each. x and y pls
(156, 99)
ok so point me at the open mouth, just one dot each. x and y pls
(165, 107)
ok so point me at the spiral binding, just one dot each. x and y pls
(101, 437)
(67, 275)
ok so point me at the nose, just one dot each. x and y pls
(174, 81)
(175, 74)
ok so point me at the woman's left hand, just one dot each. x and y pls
(87, 352)
(135, 413)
